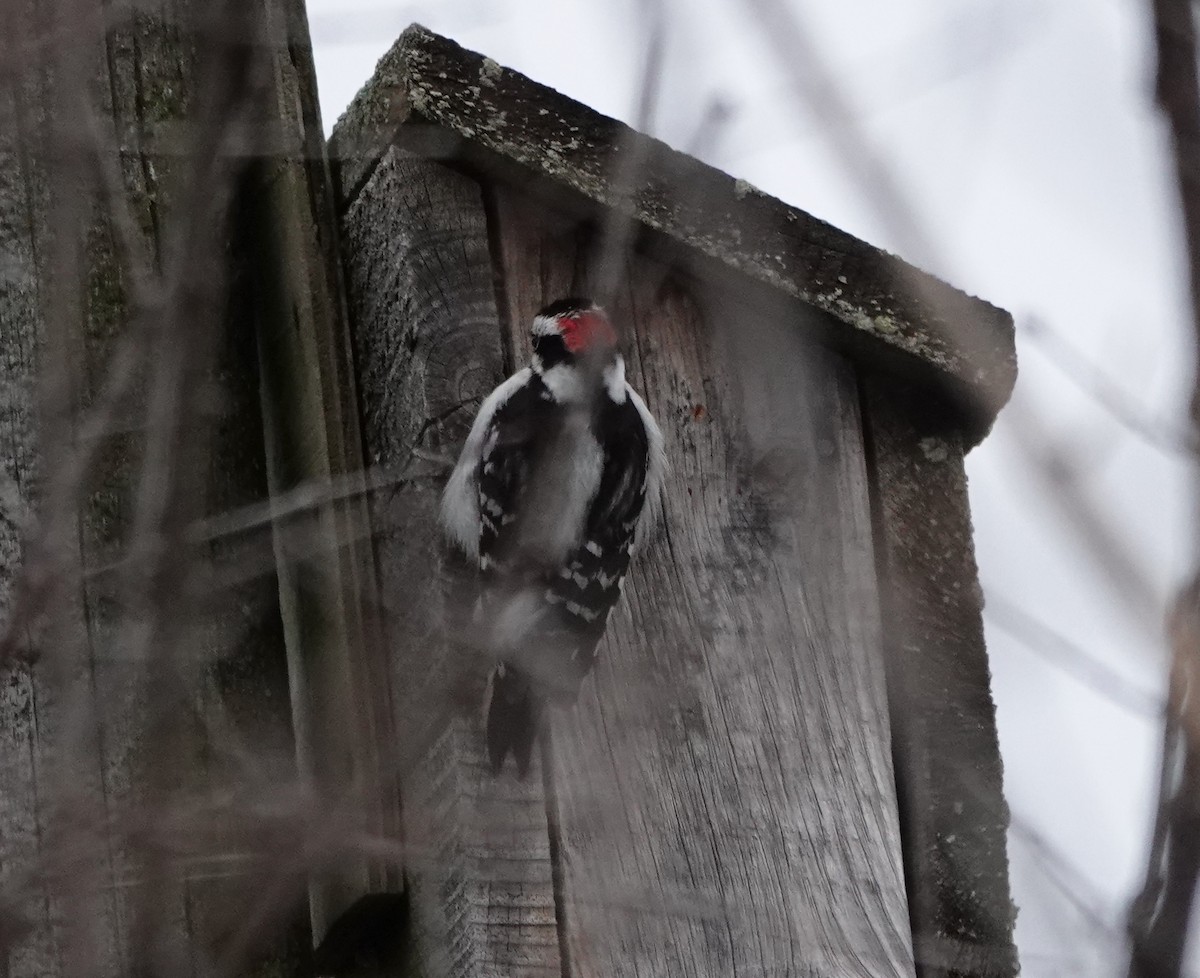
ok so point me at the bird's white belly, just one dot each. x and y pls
(555, 508)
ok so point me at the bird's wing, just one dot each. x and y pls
(512, 439)
(460, 501)
(589, 584)
(656, 469)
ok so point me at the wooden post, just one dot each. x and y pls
(948, 761)
(722, 799)
(340, 687)
(164, 233)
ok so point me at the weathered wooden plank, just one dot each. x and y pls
(723, 796)
(204, 717)
(52, 766)
(243, 881)
(341, 695)
(419, 279)
(30, 949)
(147, 729)
(953, 813)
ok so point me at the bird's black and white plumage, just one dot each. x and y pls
(558, 481)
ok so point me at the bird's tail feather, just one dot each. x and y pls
(513, 713)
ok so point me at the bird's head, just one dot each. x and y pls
(573, 331)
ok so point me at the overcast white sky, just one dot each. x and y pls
(1023, 133)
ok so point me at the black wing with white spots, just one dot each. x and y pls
(512, 448)
(585, 589)
(579, 589)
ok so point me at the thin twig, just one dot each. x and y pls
(1159, 432)
(1069, 656)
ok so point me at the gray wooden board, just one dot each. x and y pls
(338, 672)
(950, 776)
(723, 794)
(50, 757)
(427, 337)
(21, 198)
(88, 790)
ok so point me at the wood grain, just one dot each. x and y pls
(954, 816)
(129, 829)
(340, 688)
(428, 350)
(722, 794)
(22, 202)
(62, 755)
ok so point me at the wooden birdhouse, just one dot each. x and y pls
(239, 658)
(785, 761)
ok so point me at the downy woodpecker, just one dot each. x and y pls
(558, 480)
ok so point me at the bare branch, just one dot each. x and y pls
(1068, 656)
(1159, 917)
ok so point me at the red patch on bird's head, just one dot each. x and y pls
(587, 330)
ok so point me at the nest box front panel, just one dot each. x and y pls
(727, 770)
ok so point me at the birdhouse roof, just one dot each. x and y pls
(432, 96)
